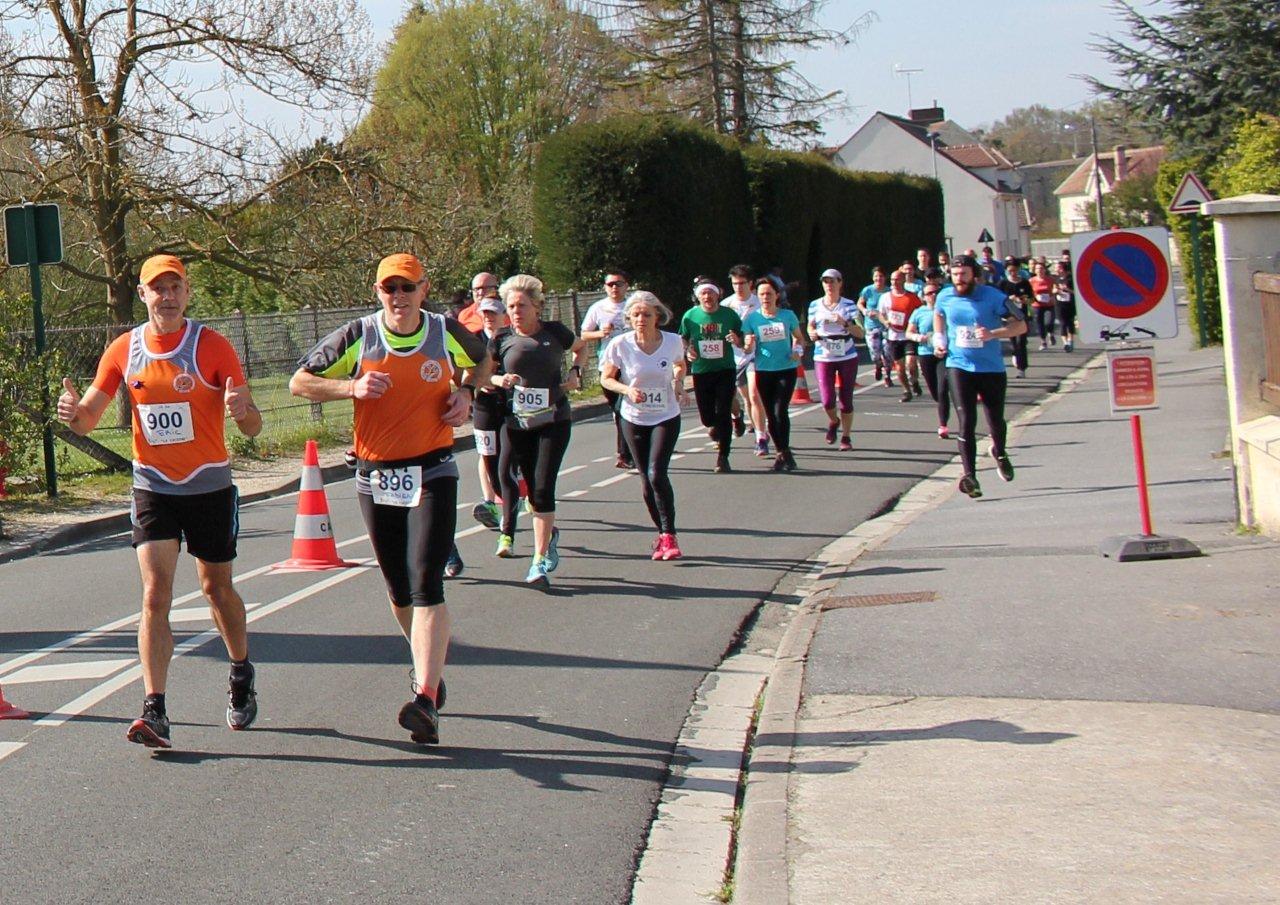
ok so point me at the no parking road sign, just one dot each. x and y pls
(1123, 283)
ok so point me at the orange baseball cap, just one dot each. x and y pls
(402, 265)
(158, 265)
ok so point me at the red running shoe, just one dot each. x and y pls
(671, 549)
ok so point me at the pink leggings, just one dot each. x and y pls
(826, 373)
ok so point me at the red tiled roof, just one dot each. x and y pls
(1138, 162)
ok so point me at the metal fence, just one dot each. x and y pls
(269, 346)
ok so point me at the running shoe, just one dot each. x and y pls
(672, 549)
(422, 719)
(505, 544)
(242, 700)
(722, 465)
(906, 395)
(779, 463)
(915, 387)
(831, 433)
(888, 381)
(552, 557)
(944, 433)
(1003, 466)
(788, 460)
(1067, 346)
(762, 448)
(846, 445)
(1022, 372)
(739, 425)
(1044, 346)
(538, 574)
(528, 505)
(150, 729)
(969, 486)
(454, 565)
(623, 462)
(659, 548)
(441, 692)
(879, 373)
(486, 513)
(1053, 339)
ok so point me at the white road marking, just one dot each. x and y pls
(564, 471)
(602, 459)
(675, 456)
(93, 696)
(7, 748)
(613, 480)
(470, 531)
(58, 672)
(198, 613)
(575, 493)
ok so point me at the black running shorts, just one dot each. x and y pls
(208, 522)
(901, 348)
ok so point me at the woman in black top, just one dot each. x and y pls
(529, 357)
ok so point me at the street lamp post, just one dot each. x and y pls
(933, 146)
(1097, 173)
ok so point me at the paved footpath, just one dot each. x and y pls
(1041, 724)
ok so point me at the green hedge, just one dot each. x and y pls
(667, 200)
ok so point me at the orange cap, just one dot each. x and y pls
(157, 265)
(402, 265)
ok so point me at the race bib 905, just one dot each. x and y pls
(529, 400)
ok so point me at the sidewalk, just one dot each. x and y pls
(1028, 721)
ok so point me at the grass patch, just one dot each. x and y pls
(725, 893)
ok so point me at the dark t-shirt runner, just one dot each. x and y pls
(539, 361)
(1020, 291)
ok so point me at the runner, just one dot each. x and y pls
(1042, 287)
(868, 303)
(182, 380)
(483, 286)
(920, 331)
(1018, 289)
(895, 309)
(833, 327)
(774, 336)
(708, 331)
(489, 413)
(395, 367)
(605, 321)
(743, 301)
(645, 367)
(529, 356)
(1064, 294)
(970, 321)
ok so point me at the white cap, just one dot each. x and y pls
(491, 304)
(832, 273)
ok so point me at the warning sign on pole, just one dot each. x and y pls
(1131, 376)
(1190, 195)
(1123, 284)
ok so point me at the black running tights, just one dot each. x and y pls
(935, 378)
(651, 449)
(537, 454)
(412, 544)
(714, 393)
(776, 388)
(966, 386)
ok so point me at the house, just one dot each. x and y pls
(1039, 181)
(981, 188)
(1077, 193)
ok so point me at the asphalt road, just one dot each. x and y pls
(563, 707)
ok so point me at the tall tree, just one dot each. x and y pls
(1038, 133)
(133, 115)
(728, 63)
(1197, 72)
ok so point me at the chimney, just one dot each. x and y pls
(927, 115)
(1122, 164)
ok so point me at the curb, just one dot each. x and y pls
(114, 522)
(689, 852)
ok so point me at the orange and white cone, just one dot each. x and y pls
(10, 711)
(800, 396)
(314, 549)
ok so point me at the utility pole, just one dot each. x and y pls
(1097, 173)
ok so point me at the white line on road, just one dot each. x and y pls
(84, 669)
(602, 459)
(7, 748)
(613, 480)
(564, 471)
(575, 493)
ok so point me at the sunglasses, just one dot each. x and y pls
(393, 288)
(613, 283)
(483, 288)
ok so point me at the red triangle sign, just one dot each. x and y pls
(1190, 195)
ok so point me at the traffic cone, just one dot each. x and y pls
(9, 711)
(801, 394)
(314, 549)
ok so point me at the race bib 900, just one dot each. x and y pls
(397, 486)
(166, 423)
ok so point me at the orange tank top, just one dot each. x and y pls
(178, 418)
(405, 422)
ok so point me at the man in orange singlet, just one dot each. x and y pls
(183, 381)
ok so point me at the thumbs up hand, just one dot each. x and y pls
(237, 400)
(68, 402)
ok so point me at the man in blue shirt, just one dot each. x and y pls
(969, 321)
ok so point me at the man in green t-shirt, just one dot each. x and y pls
(709, 331)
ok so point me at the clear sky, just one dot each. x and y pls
(980, 60)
